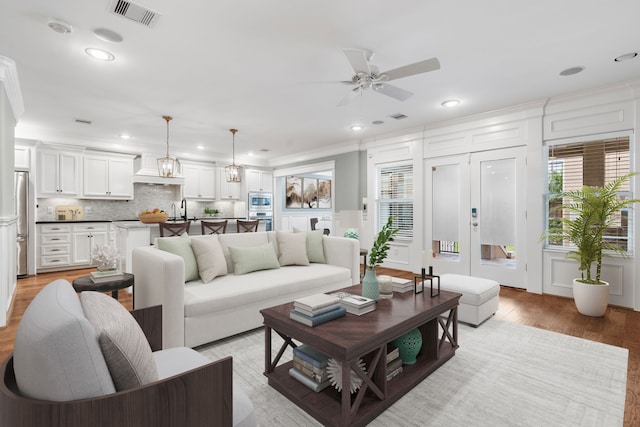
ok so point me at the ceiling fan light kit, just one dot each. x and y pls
(366, 75)
(167, 165)
(233, 171)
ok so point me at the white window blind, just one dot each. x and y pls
(593, 163)
(395, 198)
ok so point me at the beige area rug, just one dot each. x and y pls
(503, 374)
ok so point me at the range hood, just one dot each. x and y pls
(146, 167)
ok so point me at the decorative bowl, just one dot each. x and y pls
(153, 218)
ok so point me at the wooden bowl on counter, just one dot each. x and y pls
(153, 218)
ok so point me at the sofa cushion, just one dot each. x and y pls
(253, 258)
(56, 354)
(241, 240)
(315, 245)
(292, 248)
(209, 257)
(181, 246)
(232, 291)
(124, 345)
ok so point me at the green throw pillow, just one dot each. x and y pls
(253, 258)
(181, 246)
(315, 247)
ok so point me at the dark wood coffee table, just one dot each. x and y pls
(351, 338)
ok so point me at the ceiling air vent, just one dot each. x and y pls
(134, 12)
(398, 116)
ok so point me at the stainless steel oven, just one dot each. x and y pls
(266, 220)
(260, 202)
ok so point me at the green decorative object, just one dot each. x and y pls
(370, 285)
(351, 234)
(409, 346)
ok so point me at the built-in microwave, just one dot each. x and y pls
(260, 202)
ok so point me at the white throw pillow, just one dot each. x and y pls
(292, 248)
(209, 256)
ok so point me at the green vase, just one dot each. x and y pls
(409, 346)
(370, 284)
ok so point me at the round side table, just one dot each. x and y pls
(85, 283)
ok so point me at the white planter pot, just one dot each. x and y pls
(591, 300)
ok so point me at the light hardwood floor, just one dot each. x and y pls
(619, 327)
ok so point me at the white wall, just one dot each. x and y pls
(11, 107)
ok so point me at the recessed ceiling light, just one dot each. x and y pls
(200, 147)
(356, 128)
(451, 103)
(100, 54)
(125, 136)
(571, 71)
(626, 56)
(107, 35)
(59, 26)
(377, 122)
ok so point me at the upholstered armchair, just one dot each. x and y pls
(86, 362)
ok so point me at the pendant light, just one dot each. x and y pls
(167, 165)
(233, 171)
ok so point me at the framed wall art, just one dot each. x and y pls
(293, 192)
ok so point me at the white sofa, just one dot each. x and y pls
(195, 313)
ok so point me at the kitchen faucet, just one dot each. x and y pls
(173, 210)
(183, 204)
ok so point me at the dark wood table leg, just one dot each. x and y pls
(267, 350)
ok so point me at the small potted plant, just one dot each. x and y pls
(591, 212)
(377, 255)
(210, 211)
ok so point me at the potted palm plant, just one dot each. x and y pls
(591, 212)
(377, 255)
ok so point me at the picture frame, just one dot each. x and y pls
(310, 193)
(293, 192)
(324, 193)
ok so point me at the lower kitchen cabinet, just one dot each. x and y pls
(67, 246)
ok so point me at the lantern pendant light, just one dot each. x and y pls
(233, 171)
(167, 166)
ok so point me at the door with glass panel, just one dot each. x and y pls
(475, 206)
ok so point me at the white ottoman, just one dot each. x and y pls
(479, 299)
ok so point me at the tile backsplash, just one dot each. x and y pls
(145, 197)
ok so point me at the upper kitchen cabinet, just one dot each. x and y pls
(258, 180)
(199, 181)
(22, 159)
(58, 173)
(228, 190)
(107, 176)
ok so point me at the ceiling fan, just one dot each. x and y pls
(367, 75)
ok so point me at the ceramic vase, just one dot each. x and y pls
(409, 346)
(591, 300)
(370, 284)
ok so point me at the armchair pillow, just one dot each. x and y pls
(124, 346)
(315, 247)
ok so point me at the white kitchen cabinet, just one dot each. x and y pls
(22, 159)
(129, 237)
(258, 180)
(228, 190)
(107, 176)
(54, 246)
(58, 173)
(84, 237)
(199, 181)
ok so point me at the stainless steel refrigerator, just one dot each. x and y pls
(22, 212)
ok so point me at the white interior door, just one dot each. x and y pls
(475, 215)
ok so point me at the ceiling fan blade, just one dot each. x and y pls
(411, 69)
(393, 91)
(359, 59)
(349, 97)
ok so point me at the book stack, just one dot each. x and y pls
(310, 367)
(356, 304)
(394, 363)
(316, 309)
(105, 276)
(401, 285)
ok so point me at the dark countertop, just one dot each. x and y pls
(136, 219)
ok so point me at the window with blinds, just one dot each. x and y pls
(592, 163)
(395, 198)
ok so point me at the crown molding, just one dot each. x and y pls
(9, 76)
